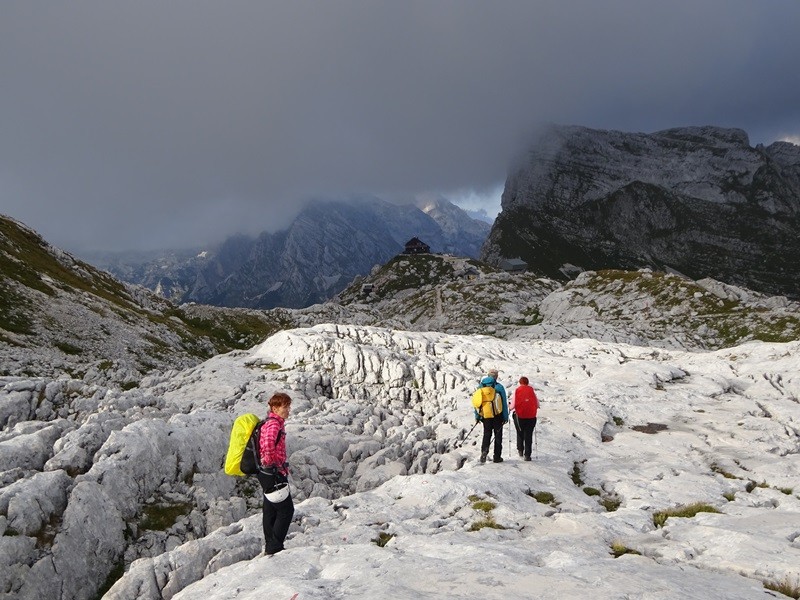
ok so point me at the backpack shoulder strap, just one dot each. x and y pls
(254, 443)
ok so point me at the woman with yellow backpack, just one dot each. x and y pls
(273, 475)
(491, 408)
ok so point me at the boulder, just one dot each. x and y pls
(30, 504)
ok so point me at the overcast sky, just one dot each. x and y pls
(145, 124)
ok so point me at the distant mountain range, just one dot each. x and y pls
(59, 315)
(327, 245)
(697, 200)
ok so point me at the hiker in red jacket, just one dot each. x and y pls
(525, 405)
(278, 507)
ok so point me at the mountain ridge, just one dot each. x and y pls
(326, 246)
(697, 200)
(59, 314)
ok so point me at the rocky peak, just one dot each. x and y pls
(717, 137)
(456, 224)
(697, 200)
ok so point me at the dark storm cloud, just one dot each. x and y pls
(152, 124)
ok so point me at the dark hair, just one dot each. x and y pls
(523, 381)
(279, 399)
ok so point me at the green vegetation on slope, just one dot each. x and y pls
(675, 303)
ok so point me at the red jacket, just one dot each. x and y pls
(525, 402)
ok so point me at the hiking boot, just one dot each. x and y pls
(498, 459)
(483, 456)
(527, 458)
(520, 453)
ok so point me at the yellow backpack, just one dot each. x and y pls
(487, 401)
(240, 443)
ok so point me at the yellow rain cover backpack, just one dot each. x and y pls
(487, 401)
(242, 439)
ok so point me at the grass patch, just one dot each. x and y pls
(160, 517)
(610, 503)
(231, 329)
(618, 549)
(729, 496)
(729, 321)
(785, 586)
(543, 497)
(786, 490)
(486, 522)
(576, 475)
(686, 511)
(68, 348)
(618, 421)
(650, 428)
(13, 308)
(727, 475)
(484, 505)
(116, 573)
(383, 539)
(47, 534)
(27, 259)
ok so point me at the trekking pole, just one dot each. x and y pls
(536, 442)
(509, 439)
(456, 445)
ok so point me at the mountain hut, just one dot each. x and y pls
(514, 265)
(416, 246)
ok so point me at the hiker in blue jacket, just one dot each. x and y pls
(493, 425)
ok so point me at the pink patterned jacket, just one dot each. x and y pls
(273, 444)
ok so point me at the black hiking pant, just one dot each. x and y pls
(276, 517)
(493, 425)
(524, 429)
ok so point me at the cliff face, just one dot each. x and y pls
(698, 200)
